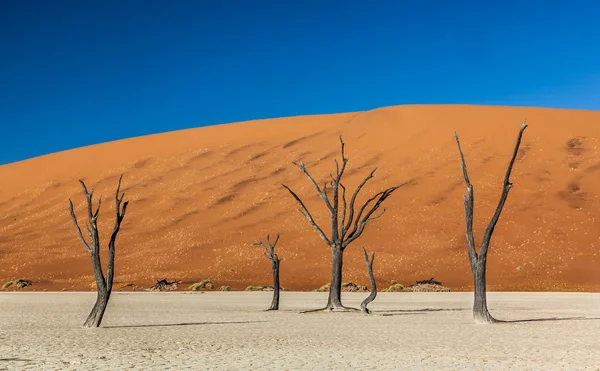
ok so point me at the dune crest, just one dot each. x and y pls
(200, 198)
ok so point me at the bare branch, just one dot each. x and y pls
(120, 215)
(88, 197)
(336, 226)
(321, 193)
(376, 216)
(463, 164)
(98, 208)
(308, 216)
(274, 243)
(85, 191)
(469, 204)
(505, 189)
(344, 162)
(346, 227)
(83, 241)
(344, 209)
(267, 252)
(89, 230)
(120, 211)
(359, 227)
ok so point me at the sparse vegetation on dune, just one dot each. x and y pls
(323, 288)
(261, 288)
(202, 285)
(346, 287)
(17, 284)
(395, 287)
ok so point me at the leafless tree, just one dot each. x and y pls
(103, 283)
(272, 256)
(478, 261)
(373, 294)
(346, 224)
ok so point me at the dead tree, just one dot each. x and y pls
(272, 256)
(478, 261)
(103, 283)
(346, 224)
(373, 294)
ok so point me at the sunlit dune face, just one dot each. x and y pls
(200, 198)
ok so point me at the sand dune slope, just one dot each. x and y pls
(201, 197)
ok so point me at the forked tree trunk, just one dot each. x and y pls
(481, 315)
(95, 317)
(335, 286)
(103, 284)
(274, 258)
(347, 221)
(478, 260)
(276, 288)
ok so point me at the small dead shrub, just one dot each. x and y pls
(254, 288)
(429, 285)
(164, 285)
(353, 287)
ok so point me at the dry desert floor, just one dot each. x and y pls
(229, 331)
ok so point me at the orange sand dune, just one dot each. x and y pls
(201, 197)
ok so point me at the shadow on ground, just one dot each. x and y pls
(400, 312)
(548, 319)
(15, 359)
(182, 324)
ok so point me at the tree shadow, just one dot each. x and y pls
(343, 309)
(548, 319)
(402, 312)
(182, 324)
(424, 310)
(385, 314)
(15, 359)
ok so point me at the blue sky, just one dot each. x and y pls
(75, 73)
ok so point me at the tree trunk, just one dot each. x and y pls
(373, 294)
(480, 310)
(276, 288)
(335, 287)
(95, 317)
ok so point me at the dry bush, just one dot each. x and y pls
(17, 284)
(164, 285)
(202, 285)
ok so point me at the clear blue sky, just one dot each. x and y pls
(74, 73)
